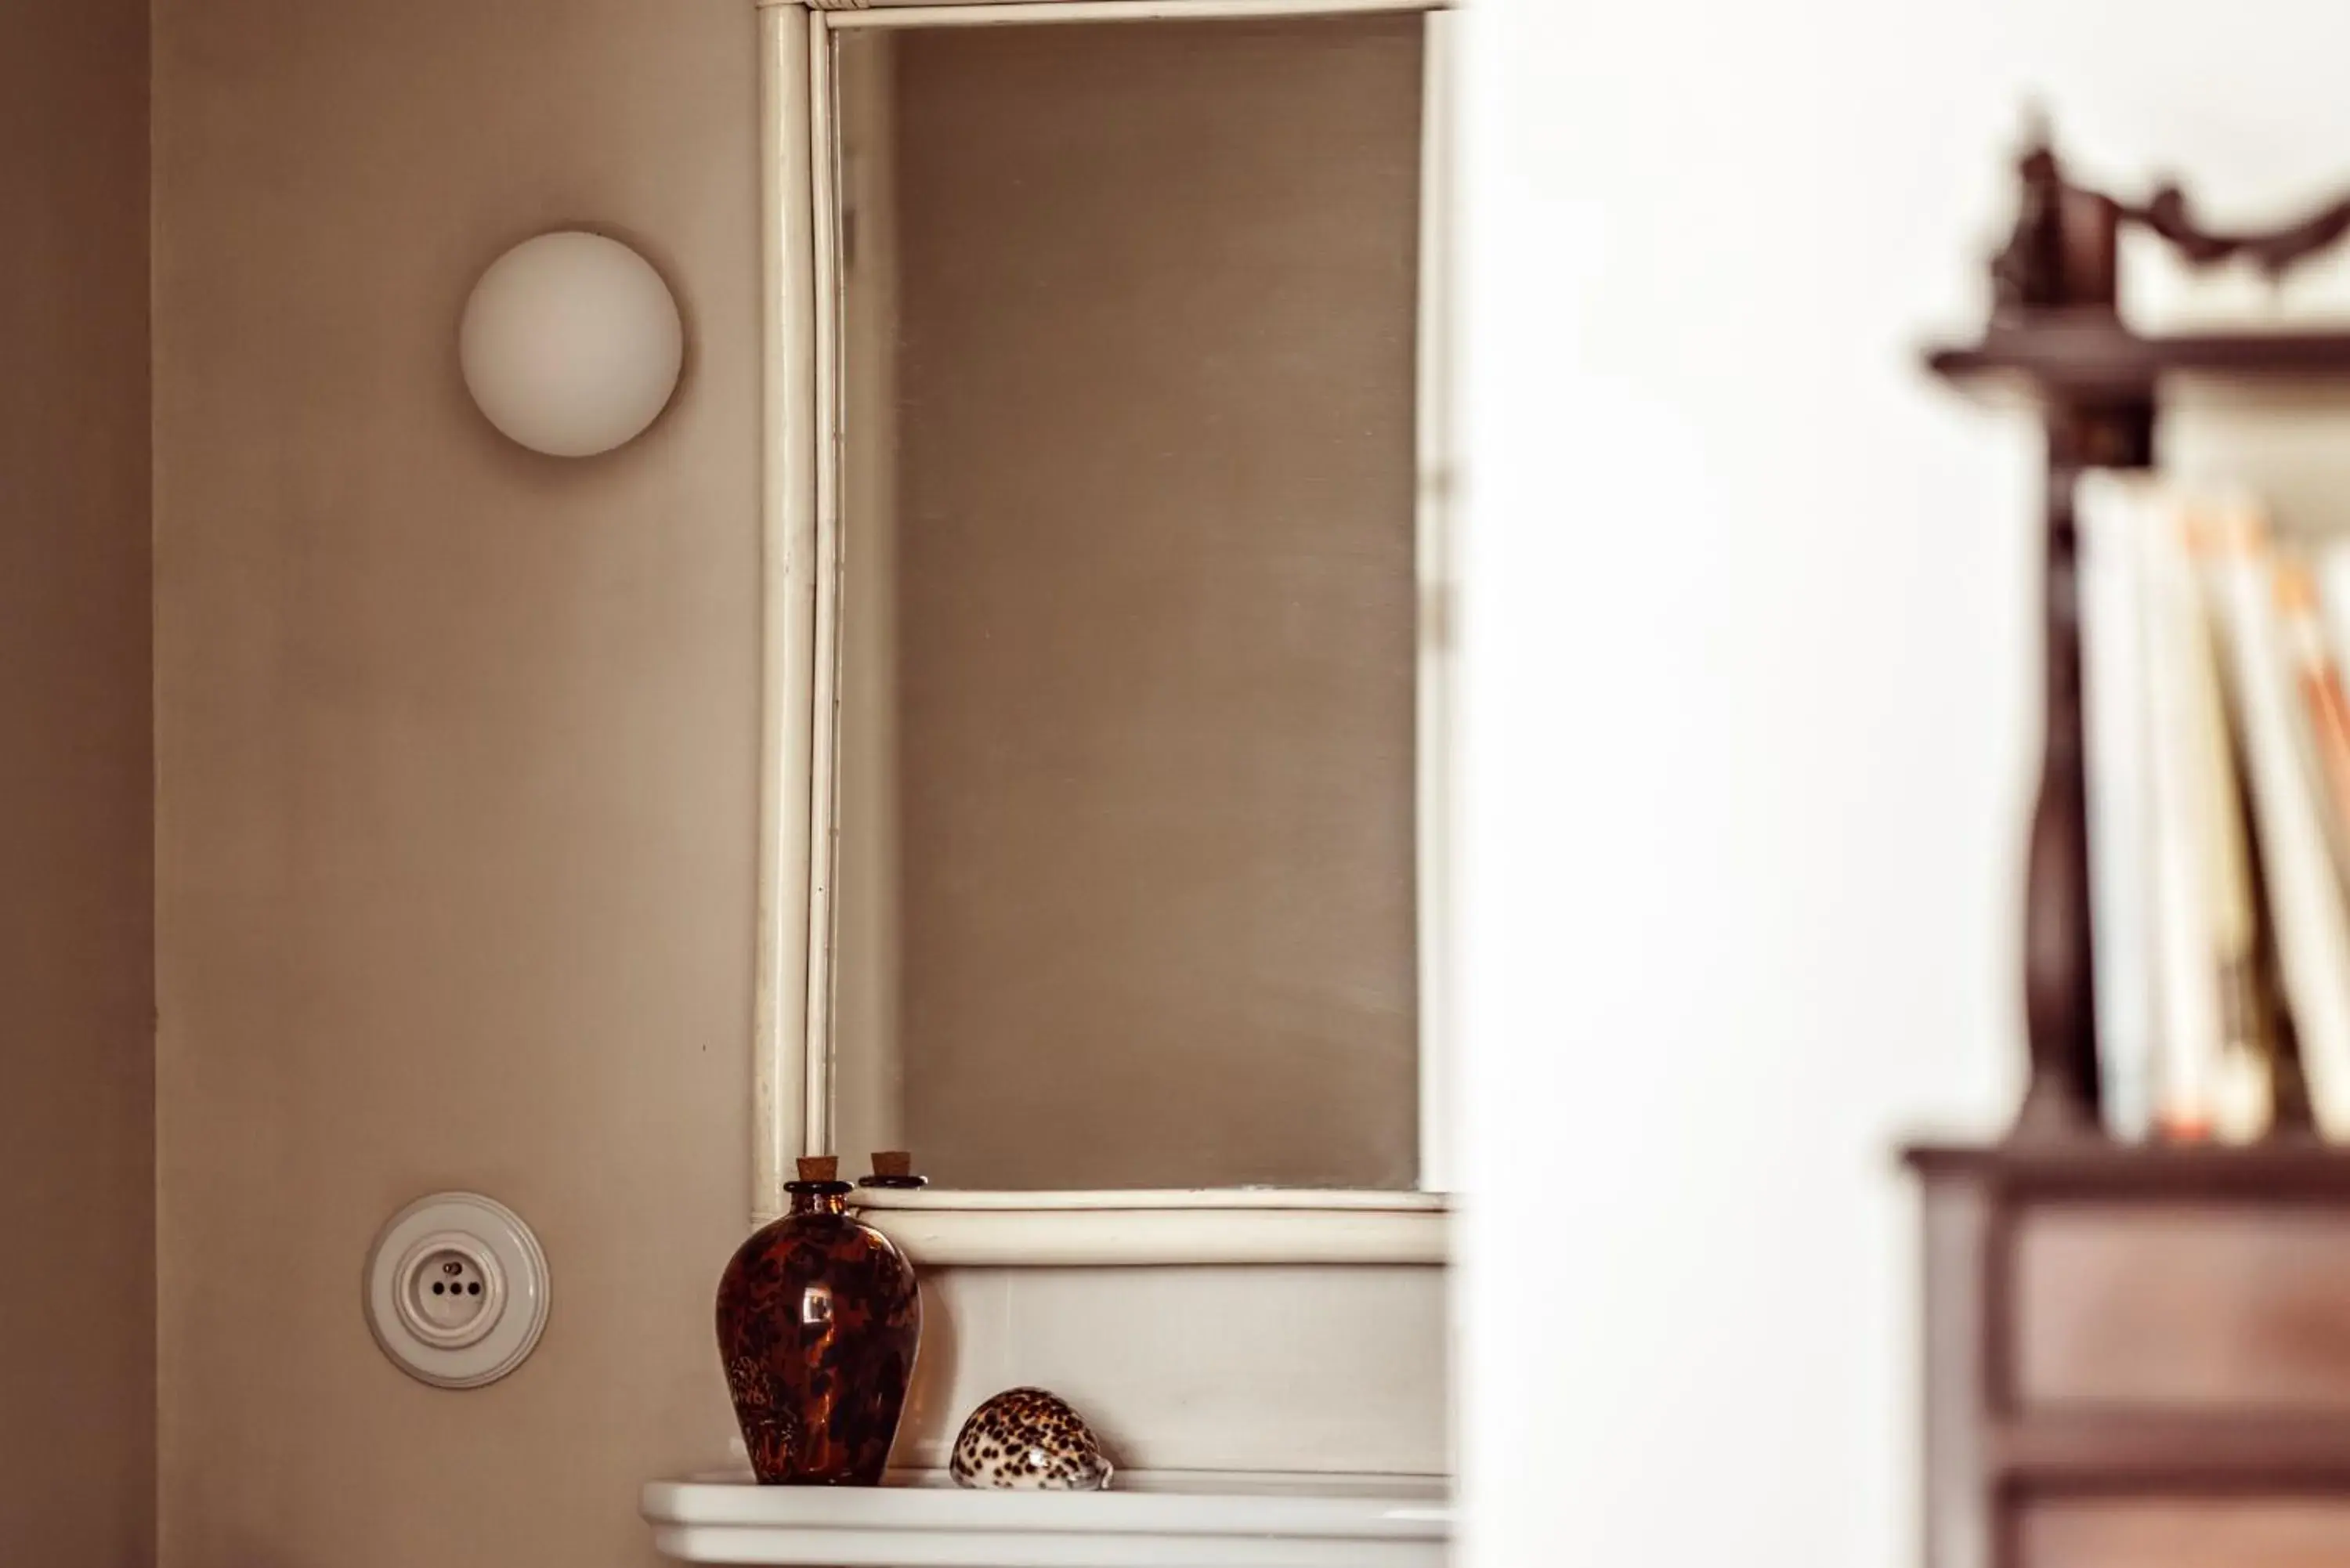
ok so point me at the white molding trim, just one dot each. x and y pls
(800, 586)
(1002, 13)
(1133, 1200)
(779, 1097)
(824, 668)
(1150, 1519)
(845, 13)
(1436, 567)
(1147, 1229)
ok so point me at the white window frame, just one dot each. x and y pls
(800, 589)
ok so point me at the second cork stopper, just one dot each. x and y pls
(893, 1167)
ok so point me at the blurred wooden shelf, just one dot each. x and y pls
(2134, 1452)
(2133, 1355)
(2146, 1328)
(2064, 360)
(2281, 1168)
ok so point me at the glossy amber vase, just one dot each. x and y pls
(818, 1321)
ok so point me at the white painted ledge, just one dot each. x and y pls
(1167, 1519)
(856, 13)
(943, 1229)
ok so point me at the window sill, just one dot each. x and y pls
(942, 1229)
(1167, 1519)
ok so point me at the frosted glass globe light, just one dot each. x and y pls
(571, 344)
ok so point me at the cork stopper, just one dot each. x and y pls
(893, 1167)
(820, 1168)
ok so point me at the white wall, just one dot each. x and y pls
(1299, 1368)
(1749, 639)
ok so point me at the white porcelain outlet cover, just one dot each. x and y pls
(456, 1290)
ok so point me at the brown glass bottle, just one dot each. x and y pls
(818, 1323)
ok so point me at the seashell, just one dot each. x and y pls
(1027, 1440)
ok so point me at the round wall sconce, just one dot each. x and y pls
(571, 344)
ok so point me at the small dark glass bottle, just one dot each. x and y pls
(818, 1323)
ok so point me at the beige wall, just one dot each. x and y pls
(1155, 612)
(77, 1090)
(457, 769)
(457, 756)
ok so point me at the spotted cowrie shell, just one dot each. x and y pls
(1027, 1440)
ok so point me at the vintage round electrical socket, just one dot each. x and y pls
(456, 1290)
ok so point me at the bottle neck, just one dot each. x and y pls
(819, 1196)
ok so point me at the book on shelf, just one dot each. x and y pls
(2118, 734)
(2317, 683)
(2218, 763)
